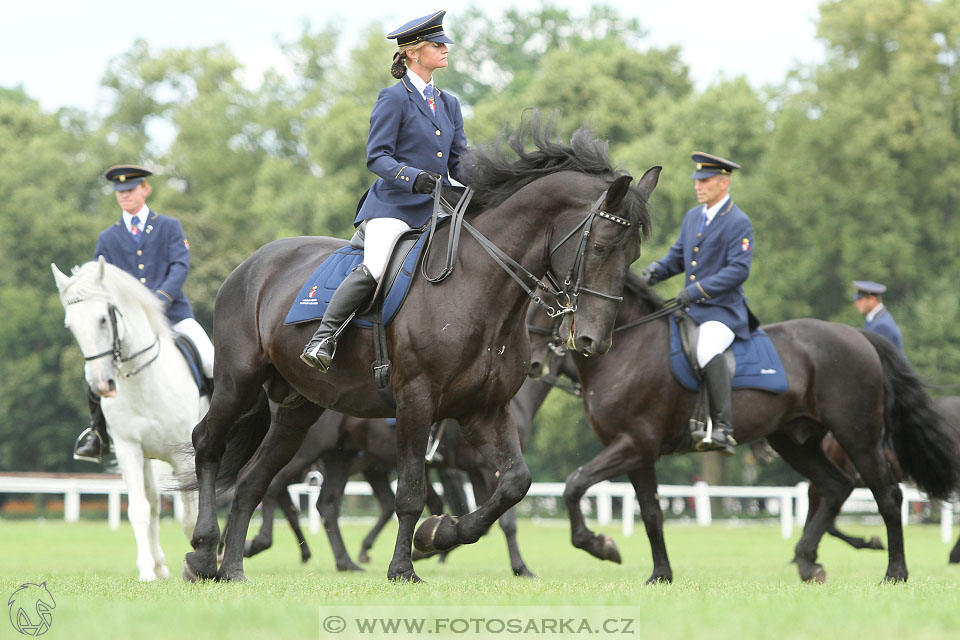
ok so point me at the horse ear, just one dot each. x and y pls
(59, 276)
(101, 269)
(617, 191)
(648, 181)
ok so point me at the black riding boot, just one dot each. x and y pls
(352, 292)
(93, 443)
(717, 378)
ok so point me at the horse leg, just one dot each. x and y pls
(411, 487)
(209, 442)
(834, 487)
(336, 467)
(292, 514)
(495, 437)
(618, 457)
(189, 498)
(380, 485)
(955, 553)
(878, 476)
(131, 461)
(483, 482)
(644, 481)
(281, 443)
(264, 538)
(152, 494)
(813, 498)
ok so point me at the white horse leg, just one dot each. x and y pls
(153, 529)
(131, 461)
(189, 499)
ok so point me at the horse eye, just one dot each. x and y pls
(599, 248)
(103, 321)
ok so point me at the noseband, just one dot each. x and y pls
(117, 349)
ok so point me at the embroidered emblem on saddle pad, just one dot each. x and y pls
(758, 365)
(314, 296)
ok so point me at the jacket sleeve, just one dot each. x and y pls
(179, 266)
(459, 147)
(385, 120)
(101, 249)
(738, 257)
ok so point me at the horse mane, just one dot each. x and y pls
(495, 176)
(635, 288)
(119, 287)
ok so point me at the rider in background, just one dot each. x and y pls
(153, 249)
(714, 252)
(869, 303)
(416, 138)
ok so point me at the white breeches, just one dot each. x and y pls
(378, 237)
(192, 329)
(714, 339)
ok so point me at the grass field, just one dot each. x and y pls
(730, 582)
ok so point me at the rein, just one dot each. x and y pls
(530, 283)
(117, 349)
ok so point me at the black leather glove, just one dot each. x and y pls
(683, 298)
(425, 182)
(649, 274)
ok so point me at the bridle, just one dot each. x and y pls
(117, 349)
(566, 295)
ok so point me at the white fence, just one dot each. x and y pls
(791, 501)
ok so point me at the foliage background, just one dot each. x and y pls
(849, 173)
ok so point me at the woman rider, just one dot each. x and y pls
(416, 137)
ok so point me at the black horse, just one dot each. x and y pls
(850, 383)
(949, 408)
(459, 350)
(345, 446)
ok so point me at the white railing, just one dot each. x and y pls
(792, 501)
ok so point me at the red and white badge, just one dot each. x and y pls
(745, 244)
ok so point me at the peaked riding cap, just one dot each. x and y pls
(867, 288)
(428, 27)
(126, 176)
(709, 165)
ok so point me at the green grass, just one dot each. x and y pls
(730, 582)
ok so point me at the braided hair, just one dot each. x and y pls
(399, 66)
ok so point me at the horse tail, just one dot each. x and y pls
(927, 449)
(242, 442)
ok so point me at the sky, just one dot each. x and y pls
(58, 50)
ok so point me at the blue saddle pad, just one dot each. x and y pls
(758, 365)
(190, 355)
(314, 296)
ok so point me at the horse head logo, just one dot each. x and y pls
(30, 609)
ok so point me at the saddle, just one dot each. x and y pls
(192, 356)
(753, 364)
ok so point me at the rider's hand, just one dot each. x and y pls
(683, 298)
(649, 274)
(425, 182)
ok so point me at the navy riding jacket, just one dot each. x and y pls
(405, 138)
(715, 266)
(161, 261)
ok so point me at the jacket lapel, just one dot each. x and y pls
(149, 227)
(717, 220)
(417, 98)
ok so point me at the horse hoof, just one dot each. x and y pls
(406, 576)
(875, 543)
(660, 579)
(610, 550)
(348, 567)
(817, 575)
(363, 558)
(231, 576)
(954, 558)
(523, 572)
(894, 578)
(425, 540)
(305, 557)
(194, 569)
(162, 572)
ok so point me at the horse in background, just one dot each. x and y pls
(949, 408)
(840, 380)
(148, 394)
